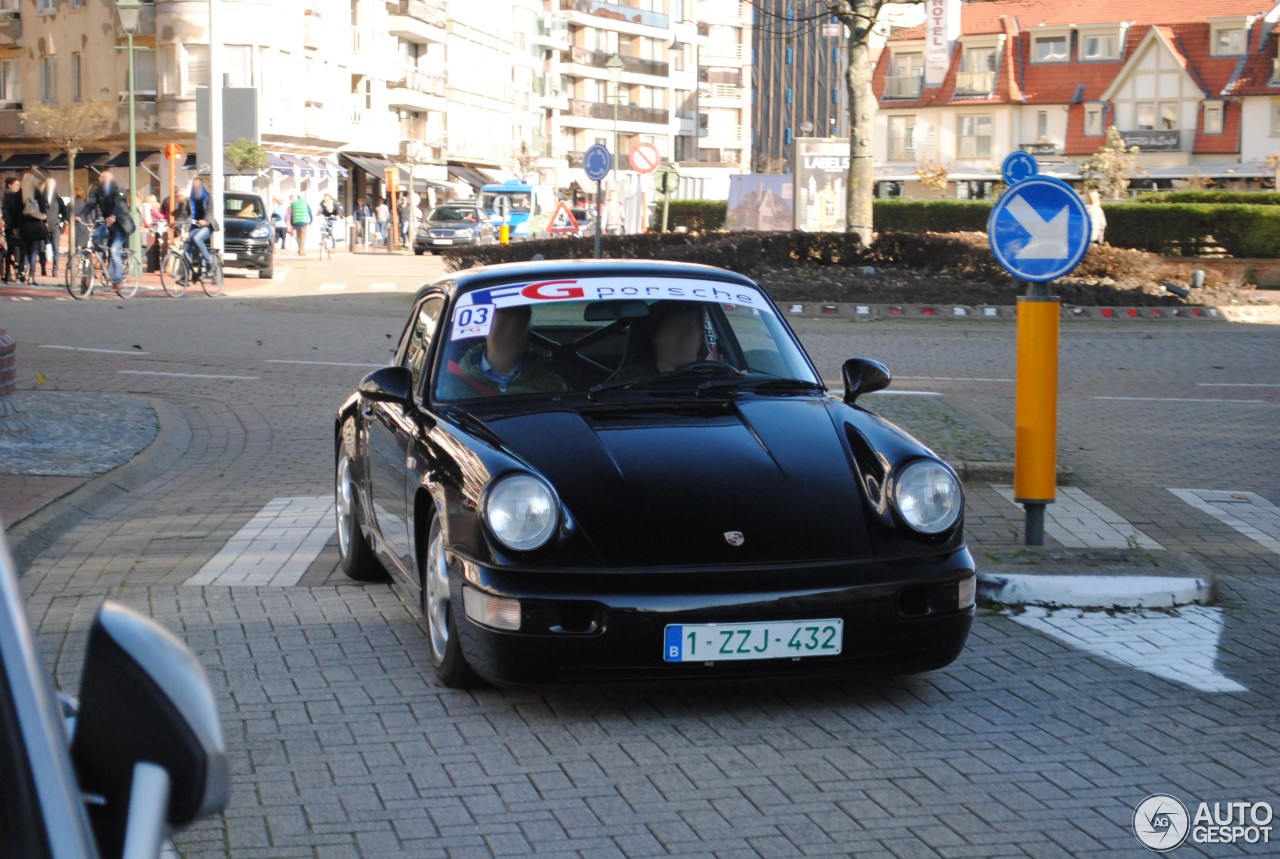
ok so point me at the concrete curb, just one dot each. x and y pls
(1267, 314)
(1093, 591)
(37, 532)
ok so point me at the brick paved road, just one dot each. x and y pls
(343, 745)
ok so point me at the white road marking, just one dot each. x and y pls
(331, 287)
(1179, 400)
(1078, 521)
(382, 287)
(905, 394)
(87, 349)
(321, 363)
(947, 379)
(1237, 385)
(183, 375)
(1249, 513)
(1182, 647)
(275, 547)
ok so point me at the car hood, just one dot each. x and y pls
(446, 225)
(670, 485)
(241, 227)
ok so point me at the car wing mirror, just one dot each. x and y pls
(863, 376)
(148, 740)
(388, 385)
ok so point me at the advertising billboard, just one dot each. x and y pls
(760, 201)
(821, 171)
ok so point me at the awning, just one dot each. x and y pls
(329, 167)
(422, 183)
(122, 159)
(301, 164)
(277, 163)
(23, 161)
(83, 160)
(371, 164)
(470, 175)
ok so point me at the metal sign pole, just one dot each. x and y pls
(599, 214)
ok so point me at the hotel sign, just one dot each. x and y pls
(941, 26)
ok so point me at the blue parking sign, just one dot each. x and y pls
(1039, 229)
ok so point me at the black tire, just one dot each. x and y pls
(447, 658)
(356, 556)
(175, 275)
(130, 274)
(212, 279)
(80, 275)
(267, 273)
(419, 251)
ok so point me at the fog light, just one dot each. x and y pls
(488, 610)
(968, 590)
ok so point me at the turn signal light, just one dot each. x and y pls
(488, 610)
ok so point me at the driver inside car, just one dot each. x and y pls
(676, 338)
(503, 363)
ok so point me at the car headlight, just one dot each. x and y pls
(928, 496)
(260, 232)
(521, 511)
(464, 233)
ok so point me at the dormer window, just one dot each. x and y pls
(1049, 49)
(1098, 47)
(1228, 41)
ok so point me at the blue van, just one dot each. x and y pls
(531, 206)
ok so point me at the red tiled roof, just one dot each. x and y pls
(1255, 77)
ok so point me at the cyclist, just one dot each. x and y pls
(203, 222)
(107, 201)
(330, 211)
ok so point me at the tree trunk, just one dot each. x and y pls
(72, 152)
(862, 111)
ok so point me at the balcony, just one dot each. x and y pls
(416, 90)
(626, 113)
(1154, 140)
(11, 124)
(574, 158)
(144, 113)
(617, 12)
(552, 32)
(902, 86)
(722, 10)
(312, 29)
(716, 54)
(418, 21)
(635, 65)
(975, 83)
(721, 92)
(10, 29)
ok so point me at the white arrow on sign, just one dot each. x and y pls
(1048, 238)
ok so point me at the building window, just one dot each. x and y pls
(46, 5)
(144, 71)
(167, 60)
(1275, 116)
(75, 76)
(1042, 125)
(1098, 47)
(979, 60)
(1157, 115)
(10, 82)
(48, 79)
(1050, 49)
(1228, 41)
(1093, 121)
(197, 72)
(902, 134)
(239, 64)
(906, 71)
(977, 71)
(975, 136)
(1213, 117)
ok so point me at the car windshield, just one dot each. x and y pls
(235, 206)
(519, 200)
(453, 213)
(594, 335)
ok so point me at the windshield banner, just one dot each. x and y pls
(615, 288)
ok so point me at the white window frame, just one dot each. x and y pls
(1064, 57)
(967, 62)
(1275, 117)
(14, 97)
(1215, 115)
(1110, 40)
(1094, 111)
(168, 80)
(46, 7)
(916, 69)
(76, 70)
(905, 149)
(1042, 125)
(49, 79)
(188, 83)
(971, 122)
(1231, 50)
(1158, 110)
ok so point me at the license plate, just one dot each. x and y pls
(442, 241)
(226, 255)
(776, 639)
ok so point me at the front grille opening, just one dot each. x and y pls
(577, 618)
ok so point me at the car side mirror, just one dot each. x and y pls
(388, 385)
(863, 376)
(148, 738)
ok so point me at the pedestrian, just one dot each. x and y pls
(12, 208)
(300, 217)
(362, 215)
(279, 220)
(107, 201)
(34, 226)
(1097, 217)
(382, 216)
(613, 220)
(403, 214)
(58, 218)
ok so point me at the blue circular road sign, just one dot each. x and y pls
(1017, 166)
(1039, 229)
(597, 161)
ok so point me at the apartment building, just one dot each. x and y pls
(1195, 86)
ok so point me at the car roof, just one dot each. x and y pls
(468, 279)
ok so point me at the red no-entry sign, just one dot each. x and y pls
(644, 158)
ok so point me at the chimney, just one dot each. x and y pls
(941, 28)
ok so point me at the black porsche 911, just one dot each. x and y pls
(620, 470)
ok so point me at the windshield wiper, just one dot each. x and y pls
(680, 374)
(762, 383)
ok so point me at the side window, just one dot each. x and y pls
(424, 328)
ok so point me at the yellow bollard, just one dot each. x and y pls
(504, 234)
(1036, 411)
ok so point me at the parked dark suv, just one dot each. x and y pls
(248, 240)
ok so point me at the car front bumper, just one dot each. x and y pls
(429, 243)
(898, 618)
(254, 254)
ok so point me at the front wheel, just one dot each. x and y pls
(130, 274)
(80, 275)
(175, 274)
(447, 658)
(212, 279)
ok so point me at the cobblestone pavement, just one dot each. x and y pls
(344, 746)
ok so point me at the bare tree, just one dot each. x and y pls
(1108, 170)
(525, 160)
(71, 127)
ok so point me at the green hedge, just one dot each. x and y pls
(694, 215)
(1195, 229)
(1249, 198)
(931, 216)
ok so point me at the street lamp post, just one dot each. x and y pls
(614, 66)
(130, 11)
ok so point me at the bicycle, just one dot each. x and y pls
(177, 270)
(328, 241)
(88, 266)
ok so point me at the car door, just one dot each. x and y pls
(392, 428)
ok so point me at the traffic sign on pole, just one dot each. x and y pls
(667, 179)
(597, 162)
(1039, 229)
(1018, 165)
(644, 158)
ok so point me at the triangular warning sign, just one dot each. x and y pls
(562, 220)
